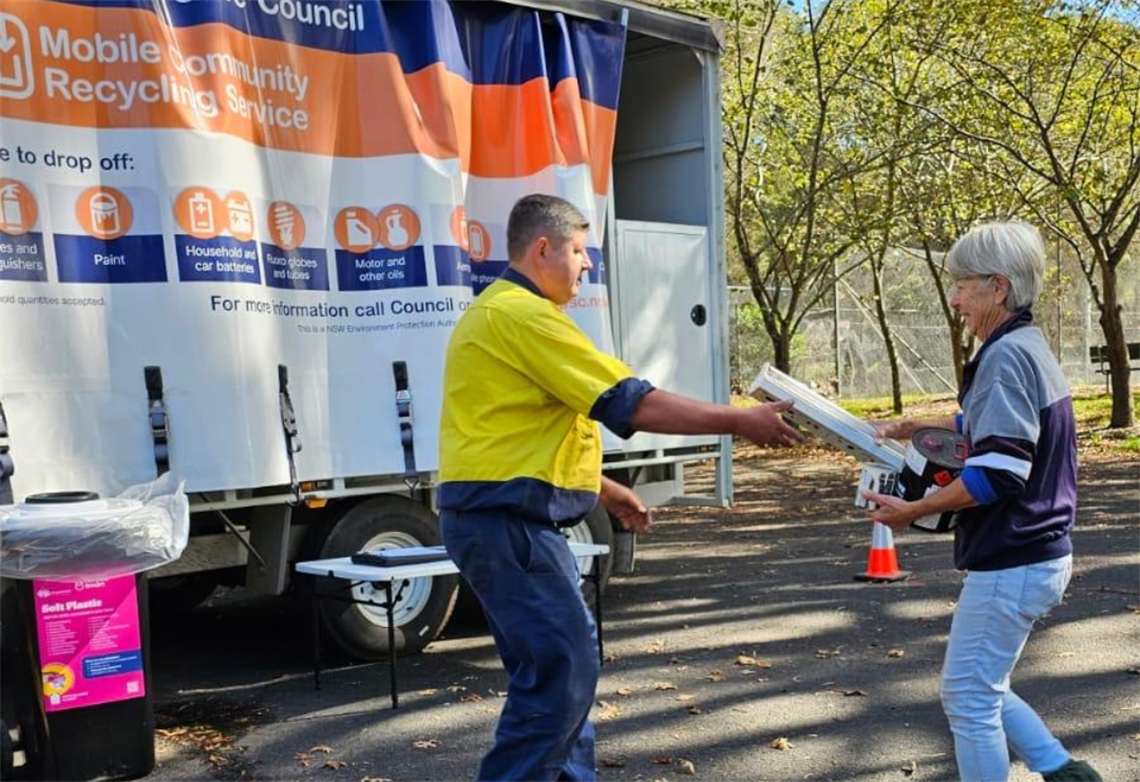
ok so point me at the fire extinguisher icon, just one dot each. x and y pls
(11, 211)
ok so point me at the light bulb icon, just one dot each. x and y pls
(284, 222)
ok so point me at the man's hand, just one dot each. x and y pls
(764, 425)
(892, 511)
(624, 505)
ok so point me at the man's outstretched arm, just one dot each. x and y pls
(667, 413)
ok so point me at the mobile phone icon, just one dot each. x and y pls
(17, 80)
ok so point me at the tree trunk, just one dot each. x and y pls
(888, 337)
(1119, 371)
(961, 347)
(782, 345)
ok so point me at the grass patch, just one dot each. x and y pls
(882, 406)
(1131, 444)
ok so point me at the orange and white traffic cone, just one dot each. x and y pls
(882, 562)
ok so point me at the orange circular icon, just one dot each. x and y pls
(399, 227)
(240, 213)
(200, 213)
(356, 229)
(478, 241)
(286, 225)
(458, 225)
(104, 212)
(18, 211)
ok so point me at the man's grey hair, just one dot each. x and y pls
(1013, 250)
(538, 215)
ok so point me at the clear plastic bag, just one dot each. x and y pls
(145, 527)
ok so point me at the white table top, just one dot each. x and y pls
(342, 567)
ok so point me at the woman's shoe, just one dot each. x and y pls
(1073, 771)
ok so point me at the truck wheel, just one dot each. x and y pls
(180, 594)
(423, 605)
(595, 528)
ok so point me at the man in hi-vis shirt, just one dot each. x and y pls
(521, 457)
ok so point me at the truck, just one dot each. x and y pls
(235, 235)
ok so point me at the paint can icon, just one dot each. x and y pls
(105, 214)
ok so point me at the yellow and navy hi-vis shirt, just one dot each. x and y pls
(520, 387)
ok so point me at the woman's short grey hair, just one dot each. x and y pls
(1013, 250)
(538, 215)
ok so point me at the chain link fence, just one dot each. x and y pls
(840, 351)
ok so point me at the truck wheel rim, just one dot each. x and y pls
(413, 594)
(581, 533)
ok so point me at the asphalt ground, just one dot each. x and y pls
(741, 649)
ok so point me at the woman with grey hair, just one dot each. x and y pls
(1016, 500)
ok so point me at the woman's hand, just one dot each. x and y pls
(897, 429)
(892, 511)
(624, 505)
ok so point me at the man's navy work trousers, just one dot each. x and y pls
(525, 577)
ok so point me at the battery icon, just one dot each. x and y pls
(201, 214)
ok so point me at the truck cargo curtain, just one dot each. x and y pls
(219, 187)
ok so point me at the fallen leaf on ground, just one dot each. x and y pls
(624, 691)
(218, 760)
(896, 653)
(613, 763)
(304, 758)
(609, 710)
(910, 768)
(823, 654)
(662, 686)
(853, 693)
(686, 766)
(662, 760)
(695, 708)
(322, 748)
(716, 675)
(425, 743)
(684, 697)
(375, 779)
(335, 765)
(782, 744)
(471, 697)
(744, 659)
(456, 688)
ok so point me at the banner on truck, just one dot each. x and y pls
(217, 187)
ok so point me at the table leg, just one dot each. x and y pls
(390, 606)
(316, 613)
(598, 613)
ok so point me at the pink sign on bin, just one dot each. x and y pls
(90, 643)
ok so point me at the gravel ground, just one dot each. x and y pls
(741, 649)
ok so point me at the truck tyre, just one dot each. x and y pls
(180, 594)
(423, 605)
(595, 528)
